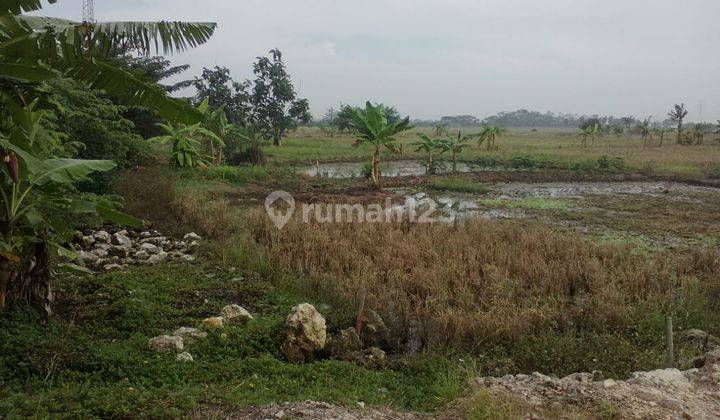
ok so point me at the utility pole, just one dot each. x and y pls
(88, 11)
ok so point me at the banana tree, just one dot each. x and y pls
(373, 128)
(37, 200)
(36, 190)
(186, 142)
(490, 134)
(455, 145)
(432, 148)
(223, 130)
(645, 132)
(590, 131)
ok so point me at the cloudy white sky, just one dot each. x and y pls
(446, 57)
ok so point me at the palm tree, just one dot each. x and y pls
(431, 147)
(373, 128)
(490, 134)
(678, 115)
(35, 49)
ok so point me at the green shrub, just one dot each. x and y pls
(489, 162)
(459, 185)
(235, 174)
(583, 166)
(608, 163)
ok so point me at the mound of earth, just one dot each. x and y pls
(658, 394)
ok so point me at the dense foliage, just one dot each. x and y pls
(37, 180)
(93, 127)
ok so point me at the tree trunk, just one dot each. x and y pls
(375, 163)
(31, 284)
(679, 133)
(4, 276)
(669, 347)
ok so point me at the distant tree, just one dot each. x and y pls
(698, 132)
(432, 147)
(456, 144)
(460, 121)
(628, 121)
(644, 130)
(660, 132)
(440, 128)
(220, 91)
(490, 134)
(275, 105)
(343, 120)
(156, 69)
(677, 115)
(590, 130)
(373, 127)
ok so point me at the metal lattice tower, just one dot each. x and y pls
(88, 7)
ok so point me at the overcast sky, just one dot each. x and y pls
(446, 57)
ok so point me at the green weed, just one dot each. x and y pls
(527, 203)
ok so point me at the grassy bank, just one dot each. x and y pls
(91, 358)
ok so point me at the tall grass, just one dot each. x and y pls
(485, 282)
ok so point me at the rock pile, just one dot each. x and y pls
(663, 393)
(175, 343)
(102, 250)
(306, 338)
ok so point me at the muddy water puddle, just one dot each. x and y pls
(523, 200)
(389, 169)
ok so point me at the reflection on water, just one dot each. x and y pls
(392, 169)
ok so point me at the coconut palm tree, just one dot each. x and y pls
(35, 49)
(373, 128)
(490, 134)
